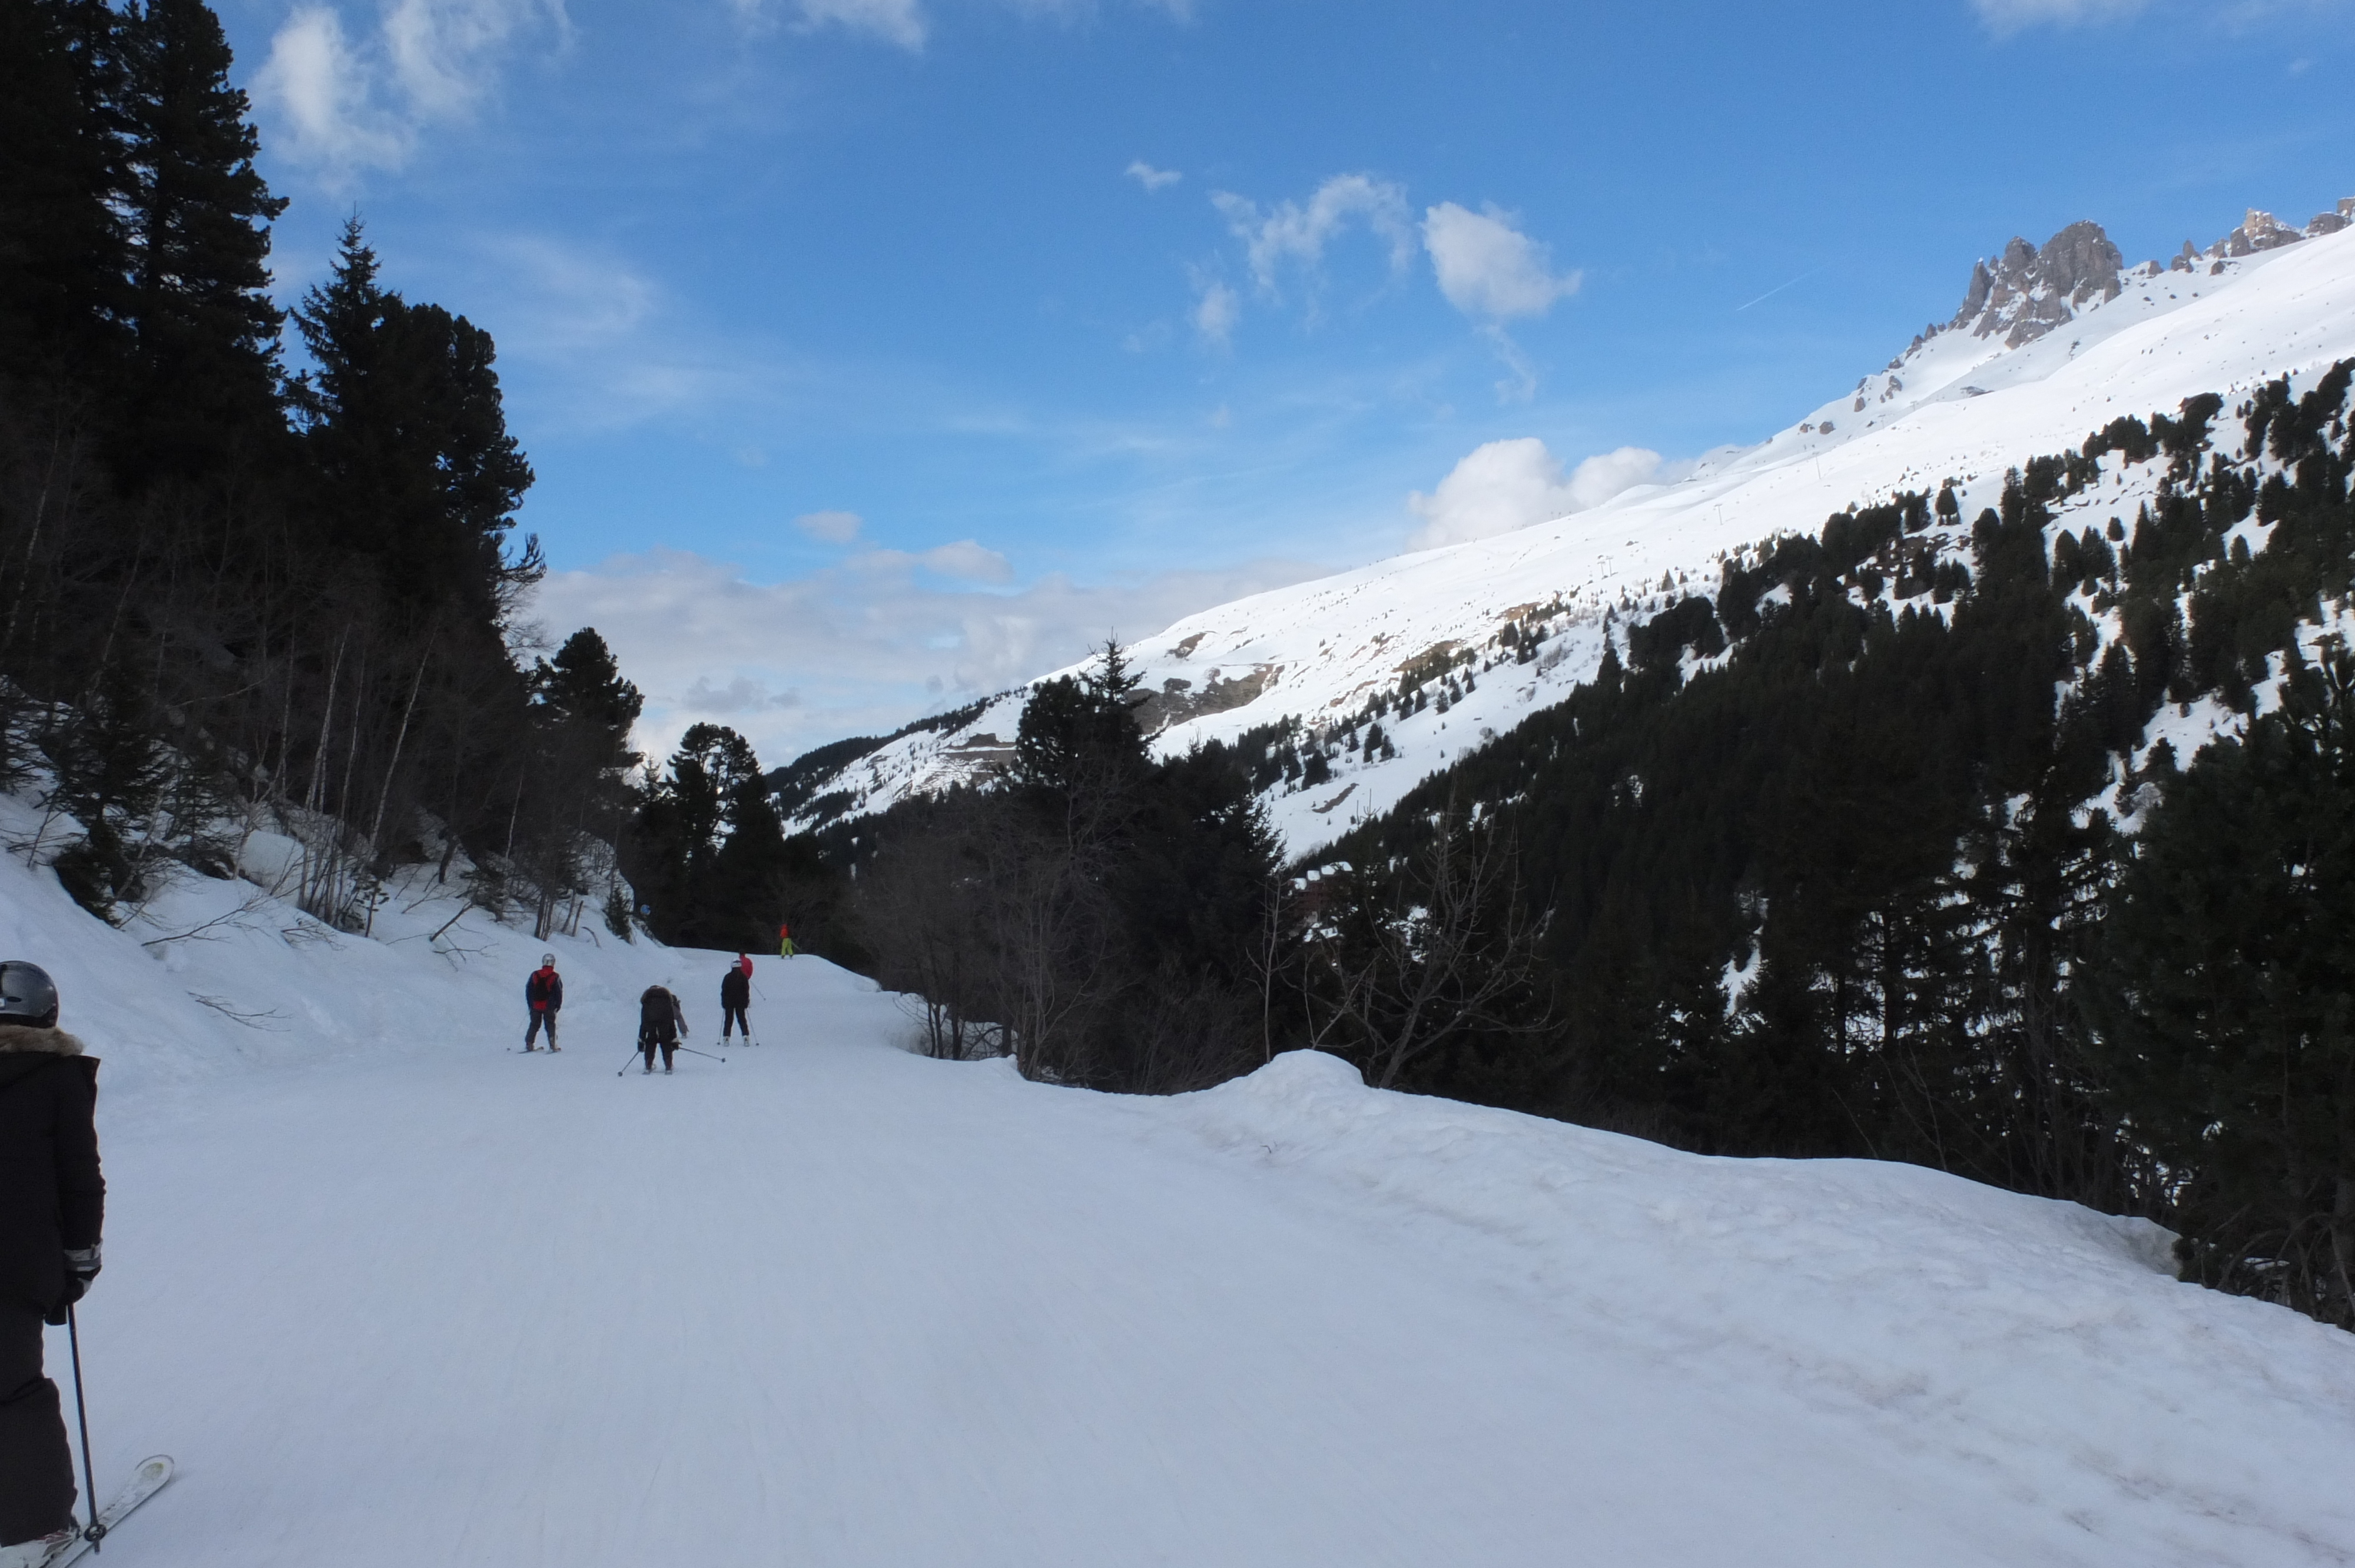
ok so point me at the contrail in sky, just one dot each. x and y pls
(1778, 289)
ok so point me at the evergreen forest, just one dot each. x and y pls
(1883, 853)
(238, 596)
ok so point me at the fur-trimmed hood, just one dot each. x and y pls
(23, 1038)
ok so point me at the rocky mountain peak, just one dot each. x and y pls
(2028, 291)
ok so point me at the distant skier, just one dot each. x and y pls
(784, 940)
(661, 1021)
(52, 1205)
(545, 994)
(735, 996)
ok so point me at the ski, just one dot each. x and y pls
(146, 1482)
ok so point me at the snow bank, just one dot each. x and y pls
(2036, 1342)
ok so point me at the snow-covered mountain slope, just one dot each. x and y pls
(2049, 345)
(393, 1292)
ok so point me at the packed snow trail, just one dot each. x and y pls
(392, 1292)
(830, 1303)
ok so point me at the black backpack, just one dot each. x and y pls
(655, 1019)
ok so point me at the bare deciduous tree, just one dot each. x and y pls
(1443, 947)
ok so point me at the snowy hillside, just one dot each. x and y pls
(2050, 344)
(393, 1292)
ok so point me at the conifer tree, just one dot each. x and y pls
(581, 690)
(62, 248)
(2226, 1005)
(206, 374)
(404, 421)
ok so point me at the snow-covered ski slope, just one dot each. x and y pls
(1959, 404)
(395, 1294)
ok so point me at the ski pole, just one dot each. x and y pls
(636, 1052)
(96, 1533)
(693, 1052)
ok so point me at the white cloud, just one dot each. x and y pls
(1216, 313)
(834, 527)
(342, 104)
(444, 53)
(1509, 485)
(1298, 233)
(2008, 17)
(1151, 178)
(1486, 267)
(846, 652)
(320, 91)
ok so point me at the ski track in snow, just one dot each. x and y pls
(395, 1294)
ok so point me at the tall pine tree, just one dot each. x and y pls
(206, 382)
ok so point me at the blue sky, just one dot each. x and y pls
(875, 353)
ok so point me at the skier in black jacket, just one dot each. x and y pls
(735, 996)
(661, 1020)
(52, 1206)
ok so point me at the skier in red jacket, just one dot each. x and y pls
(544, 994)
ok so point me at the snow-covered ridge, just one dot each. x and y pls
(2050, 343)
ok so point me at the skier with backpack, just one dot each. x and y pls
(735, 996)
(544, 994)
(52, 1205)
(661, 1021)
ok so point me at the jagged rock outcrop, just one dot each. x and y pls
(2261, 230)
(2258, 231)
(2028, 291)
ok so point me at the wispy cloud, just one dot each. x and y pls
(607, 340)
(321, 94)
(2005, 18)
(342, 101)
(1151, 178)
(1296, 234)
(1217, 312)
(570, 295)
(905, 23)
(899, 22)
(966, 560)
(860, 648)
(833, 527)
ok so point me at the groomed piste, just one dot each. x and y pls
(394, 1293)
